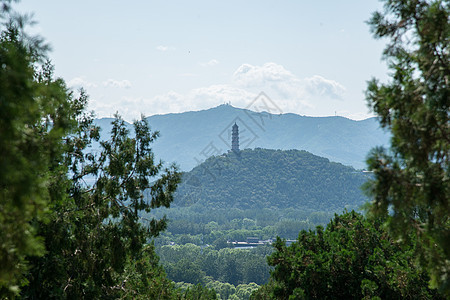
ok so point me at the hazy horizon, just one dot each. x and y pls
(204, 109)
(310, 58)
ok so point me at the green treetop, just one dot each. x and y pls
(411, 180)
(352, 258)
(36, 112)
(70, 220)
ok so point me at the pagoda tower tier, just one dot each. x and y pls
(235, 138)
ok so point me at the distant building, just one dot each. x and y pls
(235, 138)
(252, 240)
(251, 243)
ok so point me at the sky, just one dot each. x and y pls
(138, 58)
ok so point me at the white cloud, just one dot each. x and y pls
(79, 82)
(211, 63)
(196, 99)
(221, 93)
(285, 84)
(314, 95)
(164, 48)
(187, 75)
(123, 84)
(324, 87)
(270, 73)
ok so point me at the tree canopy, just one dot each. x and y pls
(70, 220)
(265, 178)
(36, 113)
(411, 179)
(352, 258)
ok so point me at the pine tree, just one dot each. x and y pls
(70, 219)
(35, 114)
(411, 179)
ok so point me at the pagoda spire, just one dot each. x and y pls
(235, 138)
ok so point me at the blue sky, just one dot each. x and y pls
(153, 57)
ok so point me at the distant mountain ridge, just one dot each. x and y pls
(191, 137)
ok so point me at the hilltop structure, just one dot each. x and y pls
(235, 138)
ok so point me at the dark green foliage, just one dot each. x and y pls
(272, 179)
(352, 258)
(185, 270)
(36, 112)
(198, 292)
(224, 290)
(95, 231)
(189, 227)
(70, 220)
(146, 279)
(190, 263)
(205, 225)
(412, 179)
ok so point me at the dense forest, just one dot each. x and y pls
(116, 223)
(352, 258)
(263, 178)
(259, 194)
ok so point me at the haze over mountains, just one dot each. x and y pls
(191, 137)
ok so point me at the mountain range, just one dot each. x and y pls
(189, 138)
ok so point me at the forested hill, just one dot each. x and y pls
(185, 137)
(263, 178)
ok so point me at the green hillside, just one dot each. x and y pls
(263, 178)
